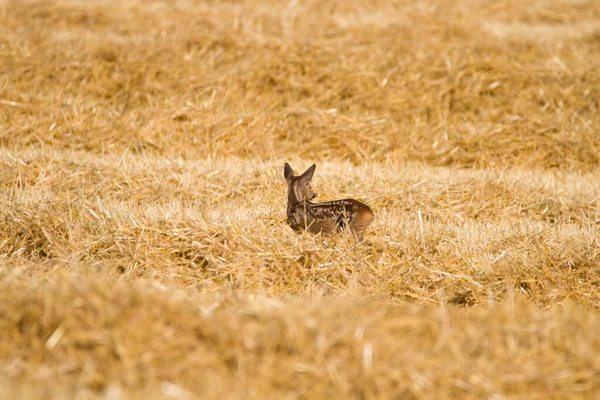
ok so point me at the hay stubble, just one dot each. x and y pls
(143, 244)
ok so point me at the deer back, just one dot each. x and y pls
(327, 217)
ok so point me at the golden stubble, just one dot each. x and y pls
(142, 233)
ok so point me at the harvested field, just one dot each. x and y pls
(143, 245)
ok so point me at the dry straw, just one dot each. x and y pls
(143, 247)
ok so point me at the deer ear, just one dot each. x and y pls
(308, 174)
(288, 172)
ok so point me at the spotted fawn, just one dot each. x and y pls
(322, 217)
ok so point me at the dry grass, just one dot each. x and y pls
(137, 339)
(142, 236)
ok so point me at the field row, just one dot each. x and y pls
(80, 336)
(443, 82)
(439, 235)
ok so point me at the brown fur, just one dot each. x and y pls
(326, 217)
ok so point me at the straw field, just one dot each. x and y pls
(143, 245)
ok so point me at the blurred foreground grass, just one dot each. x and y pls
(142, 238)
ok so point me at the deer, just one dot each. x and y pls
(328, 217)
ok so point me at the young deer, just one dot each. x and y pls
(322, 217)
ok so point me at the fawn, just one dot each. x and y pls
(322, 217)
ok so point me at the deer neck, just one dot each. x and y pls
(292, 200)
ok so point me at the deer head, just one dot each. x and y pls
(299, 189)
